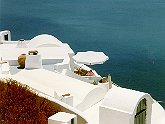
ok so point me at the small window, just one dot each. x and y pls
(140, 117)
(72, 121)
(6, 37)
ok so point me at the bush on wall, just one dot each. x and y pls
(20, 104)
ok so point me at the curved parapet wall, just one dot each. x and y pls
(120, 106)
(93, 97)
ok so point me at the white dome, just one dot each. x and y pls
(44, 40)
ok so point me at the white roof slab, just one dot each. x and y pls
(48, 54)
(84, 94)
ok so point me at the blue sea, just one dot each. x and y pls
(130, 32)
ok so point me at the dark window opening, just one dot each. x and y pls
(72, 121)
(6, 37)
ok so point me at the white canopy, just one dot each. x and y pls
(90, 57)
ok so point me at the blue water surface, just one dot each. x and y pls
(130, 32)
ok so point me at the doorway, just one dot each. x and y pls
(140, 117)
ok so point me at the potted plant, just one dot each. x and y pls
(105, 83)
(21, 61)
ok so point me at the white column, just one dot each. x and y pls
(110, 81)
